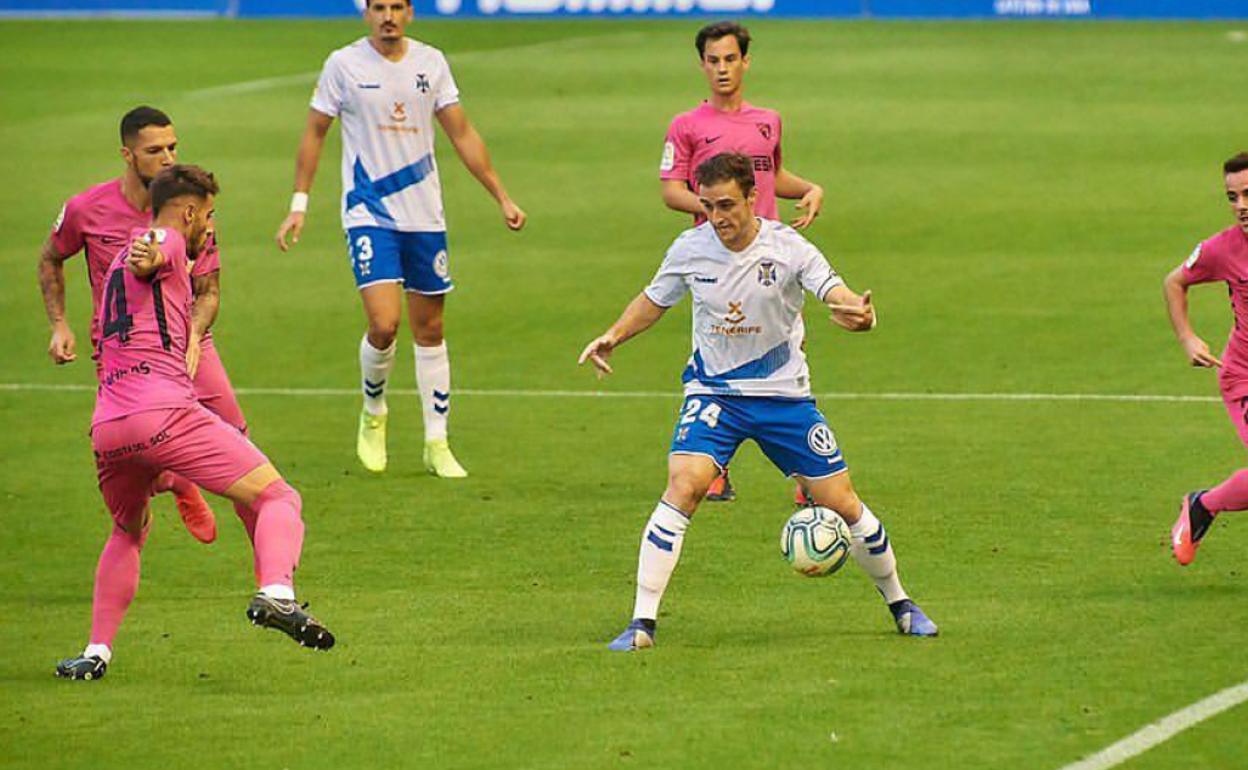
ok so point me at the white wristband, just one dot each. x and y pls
(299, 203)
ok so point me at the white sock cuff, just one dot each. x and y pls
(670, 517)
(367, 347)
(101, 651)
(866, 526)
(430, 353)
(279, 591)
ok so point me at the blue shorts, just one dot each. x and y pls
(793, 434)
(418, 260)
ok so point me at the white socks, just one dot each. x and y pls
(101, 651)
(661, 540)
(283, 593)
(433, 380)
(874, 554)
(375, 366)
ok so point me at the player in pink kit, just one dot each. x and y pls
(98, 222)
(1223, 258)
(148, 420)
(727, 123)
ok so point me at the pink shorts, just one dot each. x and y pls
(193, 442)
(1237, 408)
(212, 388)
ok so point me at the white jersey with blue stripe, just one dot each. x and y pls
(747, 308)
(389, 176)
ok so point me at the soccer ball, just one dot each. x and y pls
(815, 541)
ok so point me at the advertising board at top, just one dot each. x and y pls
(607, 9)
(980, 9)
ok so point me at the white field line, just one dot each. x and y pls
(673, 394)
(1163, 729)
(249, 86)
(301, 78)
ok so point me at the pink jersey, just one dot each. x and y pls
(145, 325)
(705, 132)
(1224, 257)
(98, 222)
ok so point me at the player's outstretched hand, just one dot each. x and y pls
(292, 225)
(597, 352)
(513, 215)
(145, 256)
(61, 346)
(856, 316)
(1198, 352)
(810, 204)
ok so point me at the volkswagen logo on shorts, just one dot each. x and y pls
(441, 265)
(821, 440)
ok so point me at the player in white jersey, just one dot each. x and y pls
(747, 379)
(386, 89)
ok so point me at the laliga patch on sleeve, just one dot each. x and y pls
(160, 234)
(1191, 260)
(60, 220)
(669, 157)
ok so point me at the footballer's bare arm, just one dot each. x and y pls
(790, 185)
(851, 310)
(52, 284)
(476, 158)
(641, 314)
(306, 161)
(1174, 287)
(207, 291)
(678, 197)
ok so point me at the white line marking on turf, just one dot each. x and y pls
(248, 86)
(1163, 729)
(301, 78)
(505, 393)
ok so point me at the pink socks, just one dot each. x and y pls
(1230, 495)
(116, 581)
(279, 533)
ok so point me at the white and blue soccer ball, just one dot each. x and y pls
(815, 541)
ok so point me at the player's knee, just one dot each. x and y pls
(428, 333)
(685, 491)
(846, 504)
(279, 491)
(381, 333)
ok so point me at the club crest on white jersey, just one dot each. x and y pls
(387, 109)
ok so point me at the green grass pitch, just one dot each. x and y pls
(1013, 193)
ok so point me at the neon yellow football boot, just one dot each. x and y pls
(441, 462)
(370, 446)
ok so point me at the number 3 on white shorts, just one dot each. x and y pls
(709, 415)
(363, 253)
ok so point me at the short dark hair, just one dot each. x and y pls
(179, 180)
(1236, 164)
(140, 118)
(727, 166)
(722, 29)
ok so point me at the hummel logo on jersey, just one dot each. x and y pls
(704, 279)
(369, 85)
(422, 83)
(712, 139)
